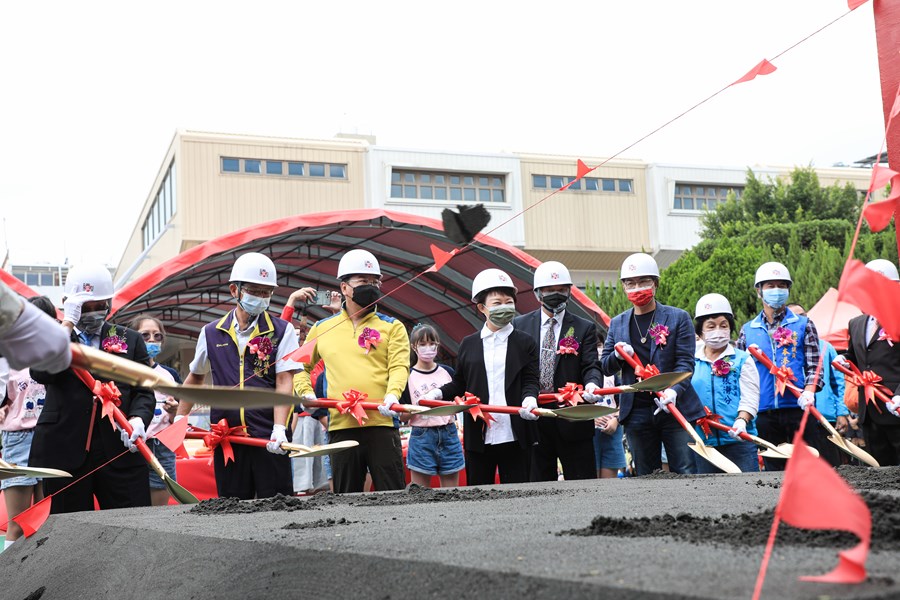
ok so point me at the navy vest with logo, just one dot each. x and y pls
(230, 369)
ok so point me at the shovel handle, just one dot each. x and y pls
(142, 447)
(879, 389)
(493, 408)
(632, 361)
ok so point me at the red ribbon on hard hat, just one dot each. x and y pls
(352, 405)
(474, 401)
(218, 436)
(570, 394)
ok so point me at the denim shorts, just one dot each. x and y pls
(166, 458)
(609, 453)
(16, 447)
(435, 450)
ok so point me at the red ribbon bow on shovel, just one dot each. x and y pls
(470, 399)
(704, 422)
(570, 394)
(783, 375)
(646, 372)
(353, 405)
(218, 436)
(106, 392)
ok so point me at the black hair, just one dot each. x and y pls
(482, 296)
(136, 323)
(699, 321)
(45, 304)
(423, 332)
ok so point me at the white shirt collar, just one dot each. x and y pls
(501, 334)
(701, 352)
(559, 317)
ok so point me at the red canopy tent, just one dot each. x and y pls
(831, 318)
(191, 289)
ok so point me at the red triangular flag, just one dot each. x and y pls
(31, 519)
(440, 258)
(854, 4)
(302, 354)
(172, 436)
(583, 170)
(880, 178)
(814, 496)
(181, 452)
(878, 214)
(763, 68)
(872, 293)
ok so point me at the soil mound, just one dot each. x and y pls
(867, 478)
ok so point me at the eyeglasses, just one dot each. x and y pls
(359, 282)
(152, 337)
(630, 284)
(259, 292)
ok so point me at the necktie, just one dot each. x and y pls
(548, 356)
(85, 338)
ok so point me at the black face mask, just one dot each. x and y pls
(366, 295)
(555, 301)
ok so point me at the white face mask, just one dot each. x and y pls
(716, 339)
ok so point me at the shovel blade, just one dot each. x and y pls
(713, 456)
(443, 411)
(853, 450)
(325, 449)
(10, 471)
(774, 454)
(583, 412)
(181, 494)
(658, 383)
(226, 397)
(110, 366)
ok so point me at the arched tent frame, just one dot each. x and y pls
(191, 289)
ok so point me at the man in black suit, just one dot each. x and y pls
(70, 433)
(499, 365)
(871, 349)
(567, 354)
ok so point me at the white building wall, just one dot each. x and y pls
(381, 161)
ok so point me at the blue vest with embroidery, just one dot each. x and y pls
(229, 369)
(791, 355)
(722, 395)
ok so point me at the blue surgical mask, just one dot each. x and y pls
(153, 349)
(254, 305)
(775, 297)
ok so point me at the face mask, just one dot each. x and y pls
(775, 297)
(502, 315)
(426, 353)
(716, 339)
(92, 322)
(254, 305)
(640, 297)
(555, 302)
(153, 349)
(366, 295)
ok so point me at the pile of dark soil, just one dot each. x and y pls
(412, 495)
(750, 529)
(660, 474)
(319, 523)
(867, 478)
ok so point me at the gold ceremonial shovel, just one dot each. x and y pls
(10, 470)
(321, 450)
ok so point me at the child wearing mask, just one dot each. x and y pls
(499, 364)
(434, 447)
(154, 334)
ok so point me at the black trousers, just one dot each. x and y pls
(379, 453)
(254, 473)
(576, 456)
(882, 442)
(779, 426)
(509, 458)
(113, 485)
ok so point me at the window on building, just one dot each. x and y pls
(274, 167)
(295, 169)
(231, 165)
(316, 170)
(429, 185)
(702, 196)
(608, 185)
(32, 278)
(252, 166)
(163, 207)
(539, 181)
(337, 171)
(625, 185)
(585, 184)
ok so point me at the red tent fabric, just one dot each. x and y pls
(831, 317)
(191, 289)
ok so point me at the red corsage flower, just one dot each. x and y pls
(884, 337)
(114, 343)
(368, 339)
(784, 337)
(568, 344)
(721, 368)
(659, 333)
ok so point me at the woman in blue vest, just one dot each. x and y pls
(727, 382)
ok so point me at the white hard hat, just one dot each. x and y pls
(885, 267)
(94, 279)
(490, 279)
(639, 265)
(551, 273)
(358, 262)
(772, 271)
(713, 304)
(254, 267)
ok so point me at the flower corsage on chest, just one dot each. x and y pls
(785, 343)
(262, 349)
(568, 344)
(721, 368)
(369, 339)
(114, 343)
(659, 333)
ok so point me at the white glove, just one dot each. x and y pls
(138, 432)
(177, 418)
(739, 427)
(588, 394)
(277, 438)
(667, 397)
(626, 348)
(842, 360)
(806, 400)
(308, 397)
(72, 306)
(435, 394)
(385, 407)
(894, 406)
(528, 404)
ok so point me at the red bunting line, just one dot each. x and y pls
(763, 68)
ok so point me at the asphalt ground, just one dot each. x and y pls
(501, 542)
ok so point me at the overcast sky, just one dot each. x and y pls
(94, 91)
